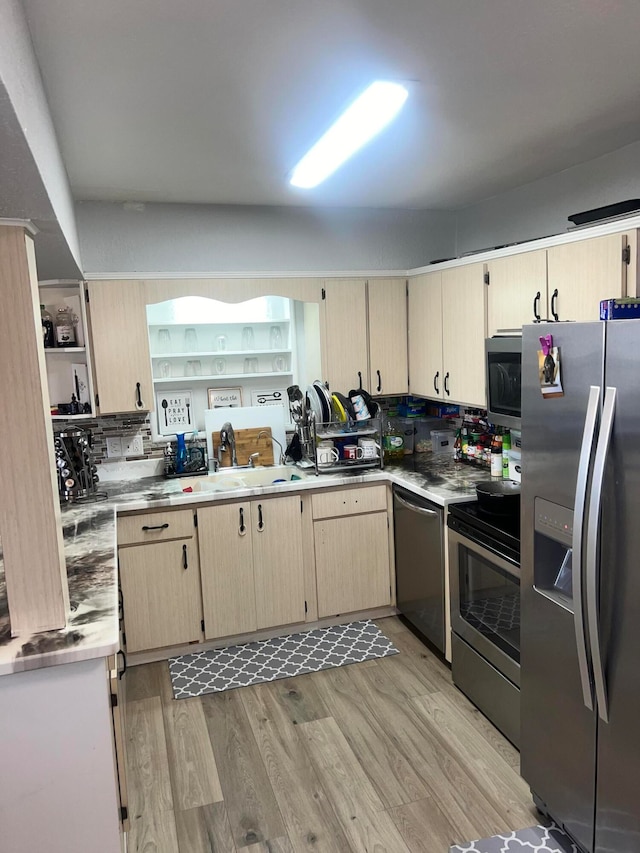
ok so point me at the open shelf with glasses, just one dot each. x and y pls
(349, 433)
(218, 376)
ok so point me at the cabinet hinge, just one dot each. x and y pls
(124, 639)
(195, 519)
(301, 506)
(86, 296)
(305, 607)
(97, 400)
(324, 293)
(626, 255)
(124, 813)
(487, 278)
(114, 700)
(202, 625)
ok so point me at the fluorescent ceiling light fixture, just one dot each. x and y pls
(359, 123)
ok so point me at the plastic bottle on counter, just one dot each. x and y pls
(506, 447)
(496, 456)
(457, 447)
(392, 444)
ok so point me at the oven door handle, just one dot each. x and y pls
(491, 557)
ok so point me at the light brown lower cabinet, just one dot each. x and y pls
(352, 563)
(117, 693)
(252, 565)
(161, 593)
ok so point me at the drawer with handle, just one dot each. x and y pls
(349, 501)
(155, 527)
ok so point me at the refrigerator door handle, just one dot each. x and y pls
(593, 548)
(579, 511)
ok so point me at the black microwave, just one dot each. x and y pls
(503, 359)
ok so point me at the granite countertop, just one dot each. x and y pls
(91, 554)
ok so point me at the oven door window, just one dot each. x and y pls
(505, 388)
(490, 601)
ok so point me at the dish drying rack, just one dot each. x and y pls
(348, 432)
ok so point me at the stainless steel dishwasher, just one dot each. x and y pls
(419, 544)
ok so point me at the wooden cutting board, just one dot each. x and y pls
(247, 442)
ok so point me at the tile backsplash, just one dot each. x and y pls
(115, 425)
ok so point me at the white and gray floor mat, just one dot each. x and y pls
(541, 839)
(282, 657)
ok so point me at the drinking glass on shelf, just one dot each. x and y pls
(279, 363)
(248, 340)
(190, 340)
(275, 337)
(164, 369)
(219, 365)
(164, 340)
(221, 343)
(251, 365)
(193, 368)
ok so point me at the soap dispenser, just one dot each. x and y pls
(181, 453)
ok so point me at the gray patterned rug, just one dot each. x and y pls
(282, 657)
(541, 839)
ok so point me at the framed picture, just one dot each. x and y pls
(221, 398)
(174, 411)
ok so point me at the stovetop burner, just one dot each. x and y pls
(501, 531)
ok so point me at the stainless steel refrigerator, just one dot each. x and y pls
(580, 583)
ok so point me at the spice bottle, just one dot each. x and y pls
(506, 447)
(496, 456)
(47, 327)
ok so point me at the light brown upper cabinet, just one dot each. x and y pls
(345, 357)
(388, 358)
(425, 335)
(447, 326)
(517, 292)
(463, 332)
(581, 274)
(364, 335)
(121, 360)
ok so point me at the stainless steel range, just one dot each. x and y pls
(484, 568)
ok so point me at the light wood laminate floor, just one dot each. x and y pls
(385, 756)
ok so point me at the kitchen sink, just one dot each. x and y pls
(243, 478)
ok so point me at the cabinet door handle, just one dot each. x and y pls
(124, 664)
(379, 381)
(446, 384)
(120, 605)
(554, 313)
(359, 381)
(242, 530)
(185, 564)
(139, 403)
(260, 521)
(164, 526)
(536, 307)
(435, 382)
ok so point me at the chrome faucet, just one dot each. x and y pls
(227, 442)
(264, 434)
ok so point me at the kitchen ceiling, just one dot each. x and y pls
(205, 101)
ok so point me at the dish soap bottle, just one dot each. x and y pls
(181, 453)
(392, 444)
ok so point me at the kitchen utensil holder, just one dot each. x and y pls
(332, 431)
